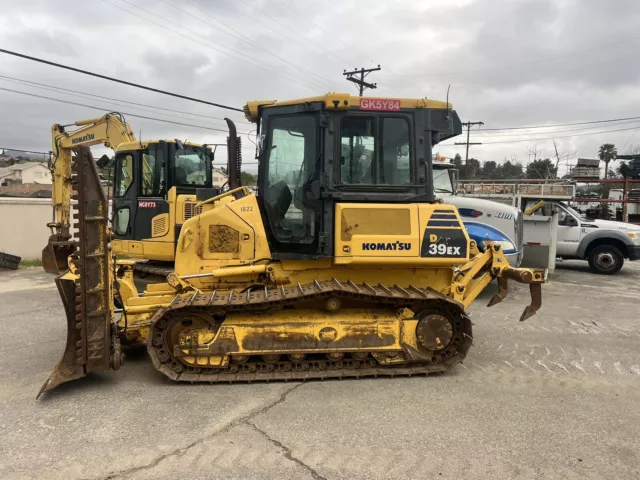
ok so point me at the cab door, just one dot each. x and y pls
(569, 232)
(125, 195)
(152, 210)
(139, 191)
(289, 181)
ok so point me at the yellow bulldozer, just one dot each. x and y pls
(343, 264)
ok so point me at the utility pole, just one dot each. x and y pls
(467, 143)
(363, 72)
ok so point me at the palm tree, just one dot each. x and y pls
(607, 153)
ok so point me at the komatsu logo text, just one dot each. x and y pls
(84, 138)
(386, 246)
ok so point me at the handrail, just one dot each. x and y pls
(246, 190)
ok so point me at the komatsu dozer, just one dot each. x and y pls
(343, 265)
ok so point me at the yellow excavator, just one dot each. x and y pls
(343, 265)
(158, 185)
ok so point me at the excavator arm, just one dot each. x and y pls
(109, 130)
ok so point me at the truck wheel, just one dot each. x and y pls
(605, 259)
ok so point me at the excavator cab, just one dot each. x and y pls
(148, 181)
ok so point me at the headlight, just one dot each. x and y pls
(506, 246)
(635, 236)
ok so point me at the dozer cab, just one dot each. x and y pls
(341, 266)
(157, 184)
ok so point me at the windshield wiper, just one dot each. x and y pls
(442, 190)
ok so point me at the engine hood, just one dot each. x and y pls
(488, 208)
(611, 225)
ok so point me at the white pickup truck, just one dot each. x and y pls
(603, 243)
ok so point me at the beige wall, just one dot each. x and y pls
(30, 175)
(23, 226)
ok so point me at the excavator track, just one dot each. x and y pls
(354, 365)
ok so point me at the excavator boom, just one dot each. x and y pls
(109, 130)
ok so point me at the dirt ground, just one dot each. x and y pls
(555, 397)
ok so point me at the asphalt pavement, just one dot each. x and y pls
(557, 396)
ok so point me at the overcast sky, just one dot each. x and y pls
(510, 64)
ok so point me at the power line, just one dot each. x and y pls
(112, 102)
(467, 143)
(549, 132)
(561, 124)
(165, 27)
(363, 73)
(630, 137)
(351, 47)
(23, 151)
(547, 138)
(276, 21)
(21, 80)
(511, 65)
(117, 80)
(124, 113)
(238, 35)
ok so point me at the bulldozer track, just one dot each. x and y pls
(262, 299)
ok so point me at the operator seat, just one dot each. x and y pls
(181, 175)
(277, 202)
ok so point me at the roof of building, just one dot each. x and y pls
(26, 165)
(588, 162)
(4, 172)
(217, 170)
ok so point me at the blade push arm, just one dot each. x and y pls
(480, 271)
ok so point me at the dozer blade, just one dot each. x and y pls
(56, 253)
(86, 292)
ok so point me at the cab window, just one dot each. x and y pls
(375, 151)
(292, 160)
(124, 174)
(152, 174)
(193, 166)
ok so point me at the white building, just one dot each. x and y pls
(29, 172)
(219, 177)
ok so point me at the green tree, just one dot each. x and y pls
(472, 169)
(542, 169)
(457, 161)
(248, 179)
(490, 170)
(606, 153)
(512, 170)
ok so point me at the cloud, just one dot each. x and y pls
(509, 63)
